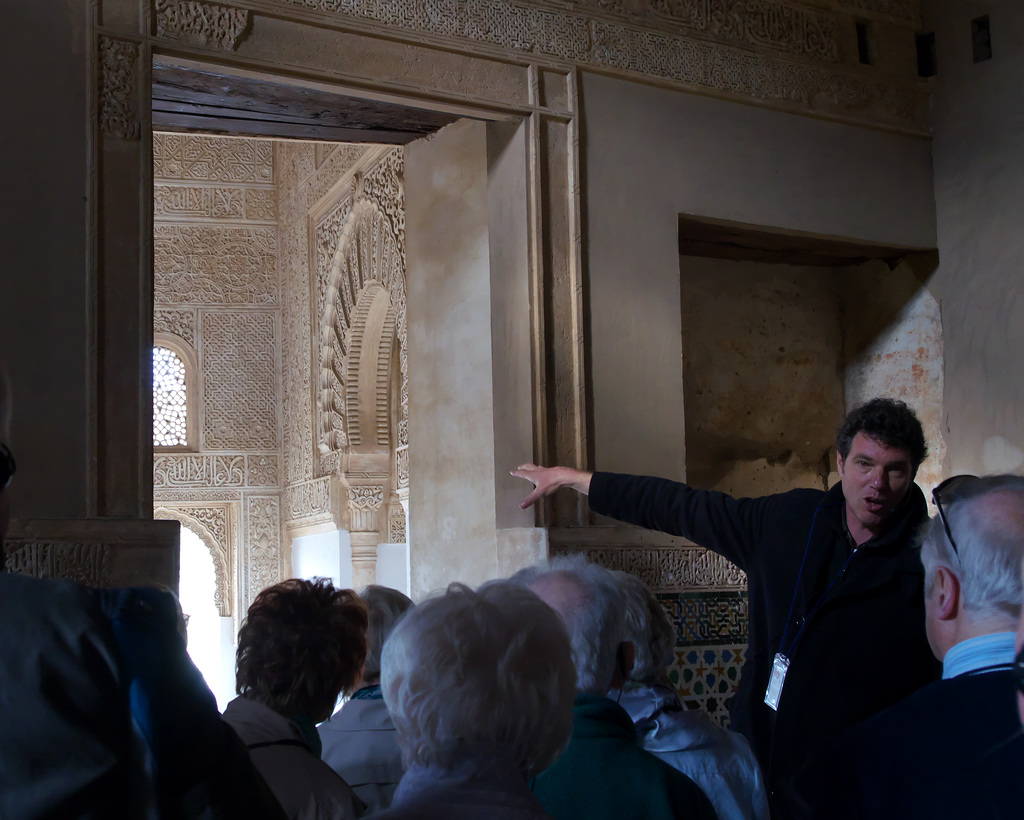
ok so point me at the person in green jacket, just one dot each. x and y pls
(604, 773)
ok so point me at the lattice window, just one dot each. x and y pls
(171, 399)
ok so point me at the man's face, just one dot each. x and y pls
(875, 479)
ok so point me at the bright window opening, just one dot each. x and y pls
(170, 399)
(206, 644)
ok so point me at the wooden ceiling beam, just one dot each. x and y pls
(200, 99)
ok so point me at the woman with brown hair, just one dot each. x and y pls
(301, 645)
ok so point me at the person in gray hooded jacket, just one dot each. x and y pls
(719, 761)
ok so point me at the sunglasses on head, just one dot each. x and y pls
(7, 467)
(948, 491)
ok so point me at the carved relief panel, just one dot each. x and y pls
(360, 247)
(216, 288)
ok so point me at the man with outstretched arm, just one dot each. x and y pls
(836, 600)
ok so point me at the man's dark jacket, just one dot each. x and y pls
(953, 749)
(863, 648)
(605, 775)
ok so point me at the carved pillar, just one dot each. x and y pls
(121, 288)
(559, 294)
(364, 503)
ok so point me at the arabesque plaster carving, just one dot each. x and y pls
(216, 289)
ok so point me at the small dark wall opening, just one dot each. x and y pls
(926, 55)
(981, 39)
(864, 48)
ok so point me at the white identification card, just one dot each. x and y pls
(780, 666)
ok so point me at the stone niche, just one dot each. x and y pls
(779, 345)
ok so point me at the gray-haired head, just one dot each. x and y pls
(592, 607)
(986, 518)
(385, 606)
(485, 674)
(649, 628)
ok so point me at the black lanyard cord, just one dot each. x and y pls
(796, 589)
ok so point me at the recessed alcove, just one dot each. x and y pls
(783, 333)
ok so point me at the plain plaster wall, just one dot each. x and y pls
(508, 242)
(324, 555)
(43, 287)
(893, 346)
(470, 373)
(393, 567)
(451, 435)
(978, 119)
(651, 154)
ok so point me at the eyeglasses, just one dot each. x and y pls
(948, 488)
(7, 467)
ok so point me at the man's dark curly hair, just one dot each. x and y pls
(301, 645)
(889, 421)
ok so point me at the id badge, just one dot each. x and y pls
(780, 666)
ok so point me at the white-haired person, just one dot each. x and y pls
(719, 761)
(480, 687)
(359, 740)
(955, 747)
(604, 773)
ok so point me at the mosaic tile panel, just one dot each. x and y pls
(711, 647)
(707, 677)
(708, 618)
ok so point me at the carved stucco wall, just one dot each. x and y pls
(216, 289)
(342, 228)
(793, 55)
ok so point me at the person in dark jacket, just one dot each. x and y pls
(604, 774)
(359, 740)
(103, 716)
(836, 597)
(301, 645)
(955, 747)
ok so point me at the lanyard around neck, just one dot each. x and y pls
(796, 589)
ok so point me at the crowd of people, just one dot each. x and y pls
(883, 677)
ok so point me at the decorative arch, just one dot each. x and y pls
(369, 369)
(365, 314)
(221, 562)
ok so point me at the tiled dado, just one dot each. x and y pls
(711, 643)
(707, 677)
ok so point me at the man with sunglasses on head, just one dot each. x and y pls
(954, 748)
(836, 601)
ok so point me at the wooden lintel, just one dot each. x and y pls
(196, 123)
(724, 239)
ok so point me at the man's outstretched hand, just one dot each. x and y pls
(548, 479)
